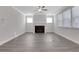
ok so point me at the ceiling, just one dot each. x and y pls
(30, 10)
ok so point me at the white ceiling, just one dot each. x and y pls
(30, 10)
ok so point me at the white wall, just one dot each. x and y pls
(49, 27)
(69, 33)
(11, 23)
(29, 27)
(39, 19)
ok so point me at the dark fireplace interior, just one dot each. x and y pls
(39, 29)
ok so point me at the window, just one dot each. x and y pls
(75, 17)
(59, 20)
(29, 20)
(49, 20)
(67, 18)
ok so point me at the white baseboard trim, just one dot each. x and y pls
(68, 38)
(10, 39)
(49, 32)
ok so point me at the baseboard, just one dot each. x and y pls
(10, 39)
(29, 32)
(67, 38)
(49, 32)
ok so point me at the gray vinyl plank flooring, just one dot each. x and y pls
(49, 42)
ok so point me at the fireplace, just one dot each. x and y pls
(39, 29)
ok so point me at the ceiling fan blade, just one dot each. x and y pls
(43, 6)
(44, 9)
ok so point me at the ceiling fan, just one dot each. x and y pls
(41, 9)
